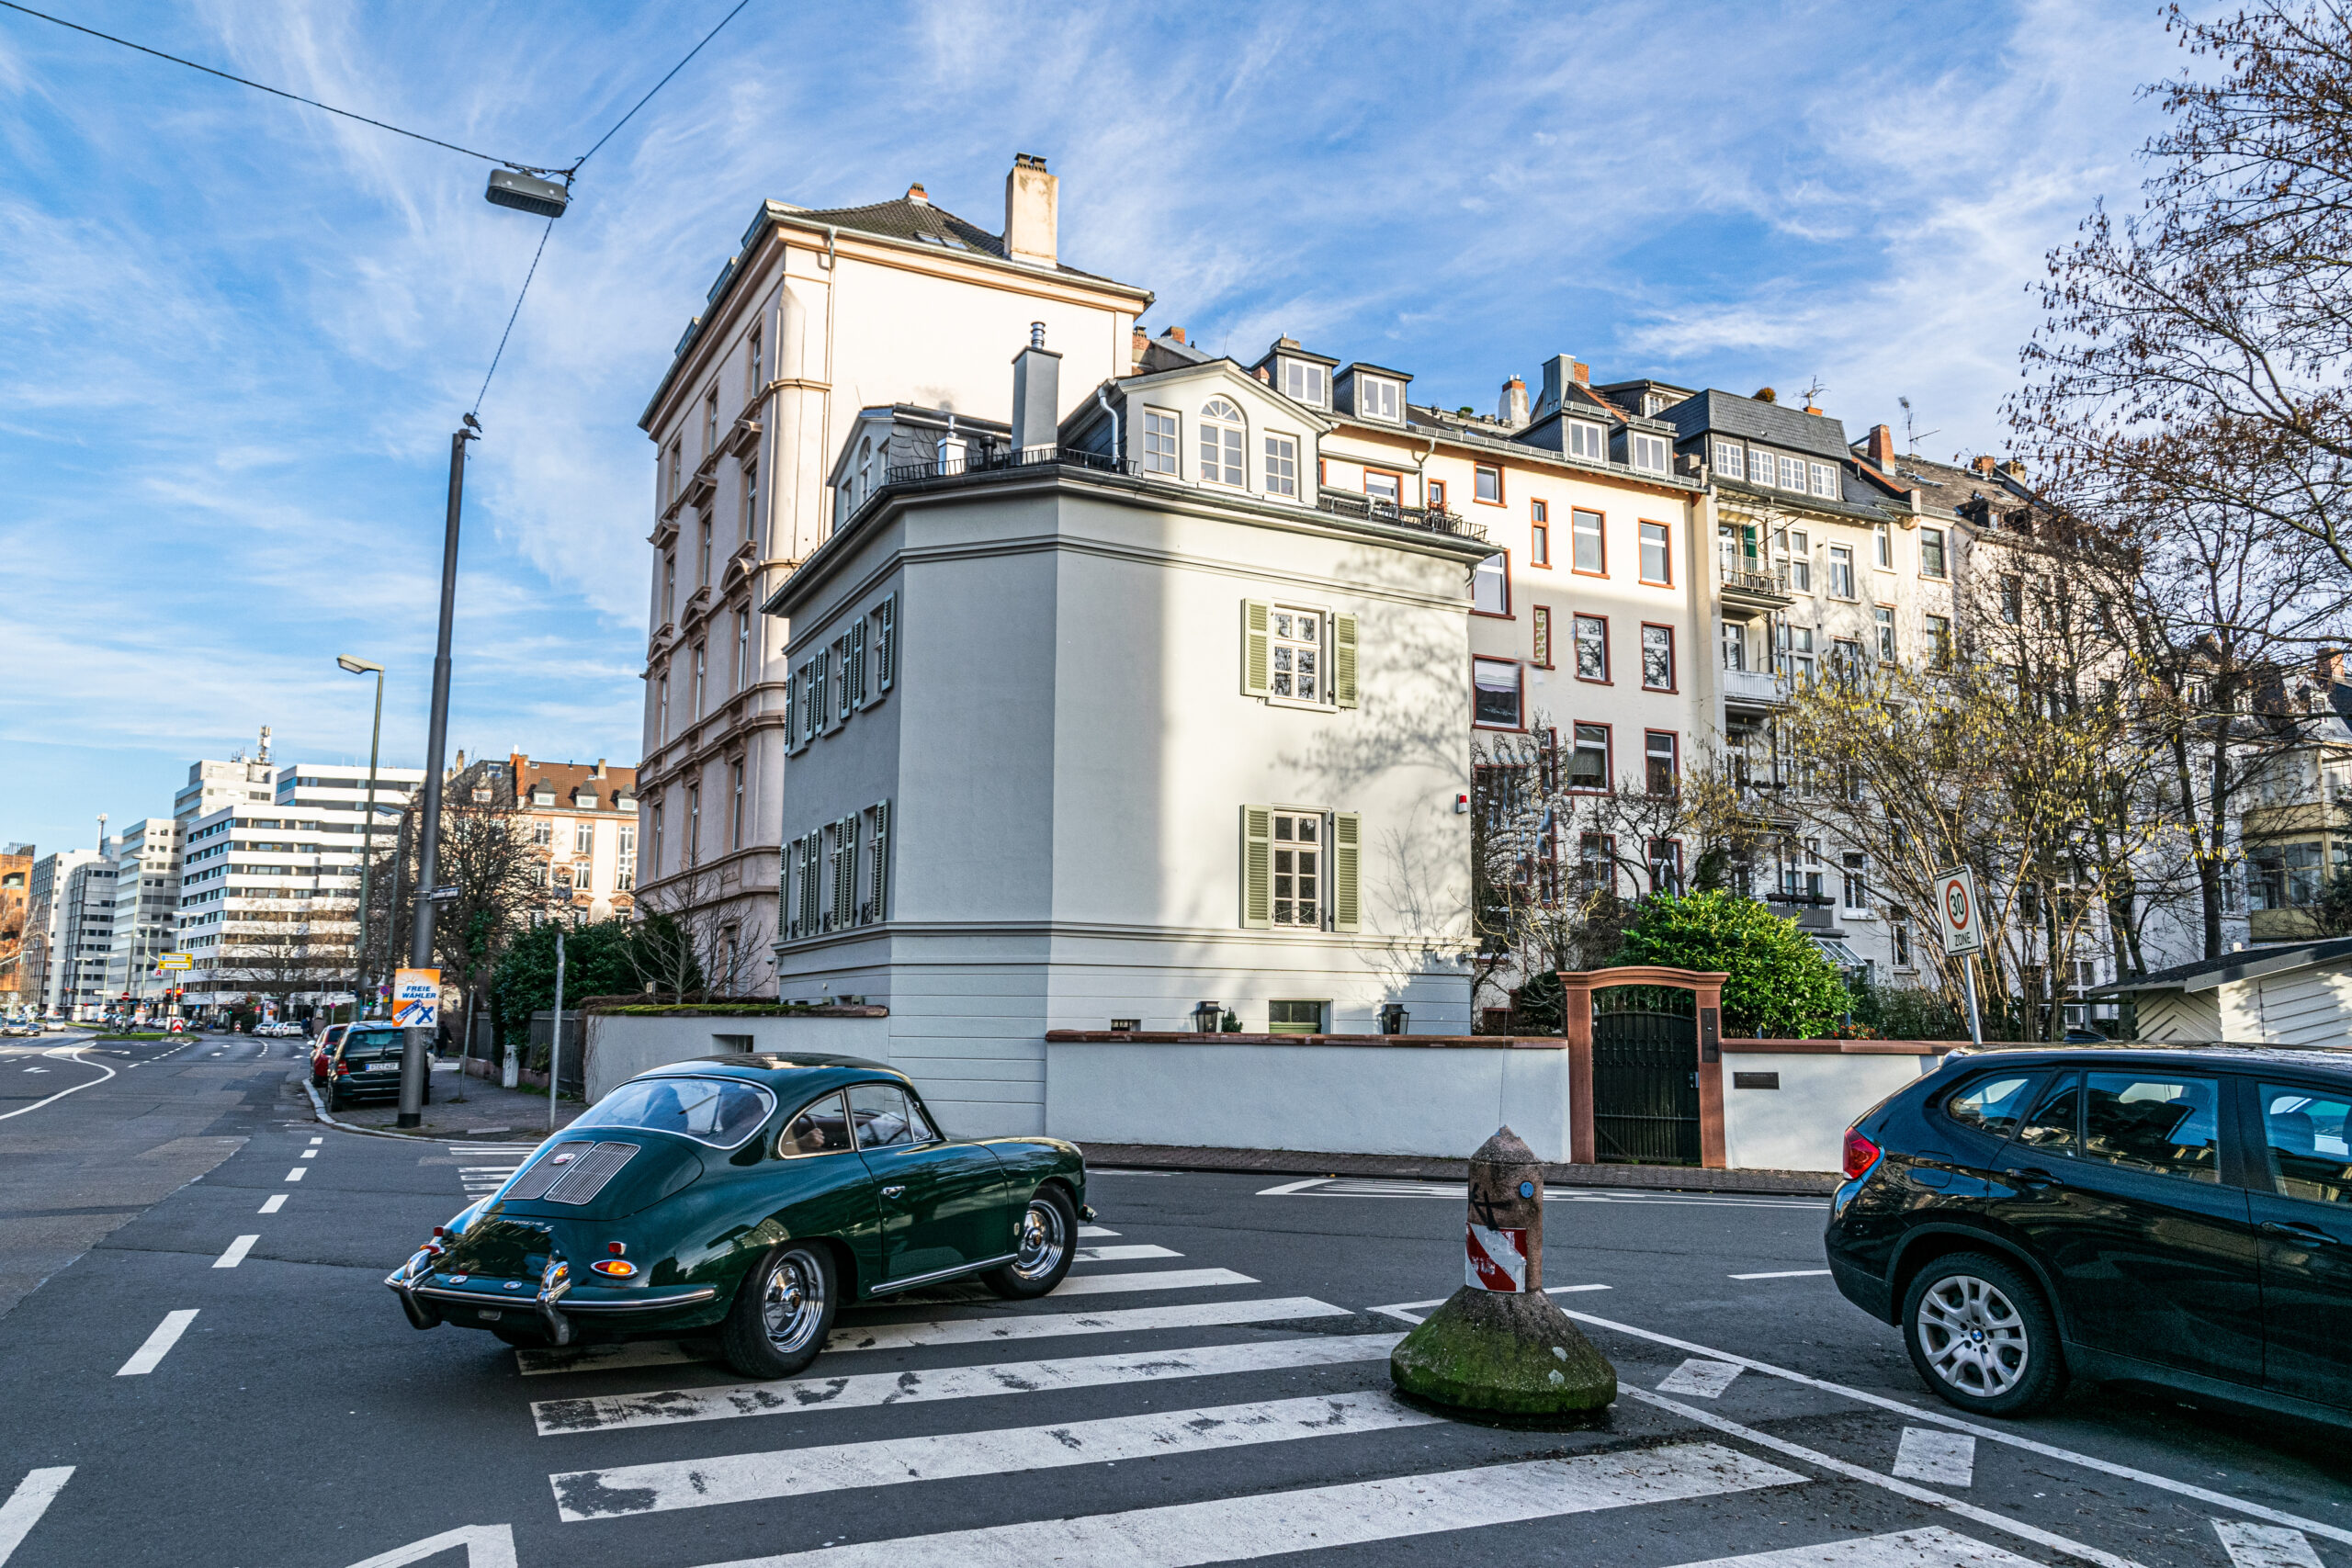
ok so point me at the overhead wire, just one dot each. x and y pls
(657, 88)
(281, 92)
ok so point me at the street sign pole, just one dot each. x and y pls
(1975, 1026)
(555, 1046)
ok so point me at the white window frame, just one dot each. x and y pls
(1731, 460)
(1824, 479)
(1647, 452)
(1793, 473)
(1321, 873)
(1163, 448)
(1305, 381)
(1841, 556)
(1379, 398)
(1588, 441)
(1226, 439)
(1319, 646)
(1281, 465)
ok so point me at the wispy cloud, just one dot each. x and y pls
(238, 331)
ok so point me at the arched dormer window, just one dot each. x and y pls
(1222, 435)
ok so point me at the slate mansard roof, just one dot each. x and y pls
(1775, 424)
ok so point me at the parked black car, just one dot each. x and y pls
(367, 1061)
(2177, 1217)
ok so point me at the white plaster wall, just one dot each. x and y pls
(1802, 1125)
(1404, 1099)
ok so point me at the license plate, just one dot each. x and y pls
(487, 1316)
(384, 1068)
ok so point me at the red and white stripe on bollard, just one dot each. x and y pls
(1497, 1259)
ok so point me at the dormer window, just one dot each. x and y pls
(1589, 442)
(1730, 461)
(1221, 438)
(1646, 453)
(1303, 381)
(1377, 396)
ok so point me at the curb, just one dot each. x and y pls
(318, 1113)
(1292, 1162)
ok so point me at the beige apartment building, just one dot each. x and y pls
(581, 817)
(819, 317)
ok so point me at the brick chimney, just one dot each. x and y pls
(2014, 467)
(1512, 410)
(1176, 332)
(1882, 448)
(1031, 210)
(2330, 665)
(920, 197)
(1137, 342)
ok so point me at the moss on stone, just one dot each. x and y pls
(1510, 1357)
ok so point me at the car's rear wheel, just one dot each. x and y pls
(1981, 1336)
(782, 1313)
(1044, 1248)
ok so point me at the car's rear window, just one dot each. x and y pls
(1991, 1104)
(721, 1112)
(372, 1043)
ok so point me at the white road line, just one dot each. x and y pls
(1274, 1524)
(1159, 1279)
(27, 1504)
(296, 1174)
(2002, 1522)
(486, 1546)
(277, 1201)
(558, 1417)
(64, 1053)
(1941, 1458)
(1987, 1433)
(955, 1331)
(1700, 1380)
(1413, 1312)
(1785, 1274)
(236, 1253)
(1124, 1253)
(159, 1344)
(2249, 1546)
(796, 1472)
(314, 1154)
(1094, 1230)
(1285, 1189)
(315, 1142)
(1934, 1547)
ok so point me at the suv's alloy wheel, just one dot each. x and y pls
(1981, 1336)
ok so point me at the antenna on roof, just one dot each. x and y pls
(1910, 439)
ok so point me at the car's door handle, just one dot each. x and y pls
(2031, 1176)
(2309, 1235)
(894, 1190)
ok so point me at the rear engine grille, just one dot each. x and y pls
(545, 1171)
(585, 1177)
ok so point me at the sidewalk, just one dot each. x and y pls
(487, 1112)
(1288, 1162)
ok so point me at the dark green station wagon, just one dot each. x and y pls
(747, 1196)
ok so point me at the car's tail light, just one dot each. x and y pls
(342, 1068)
(1860, 1153)
(619, 1268)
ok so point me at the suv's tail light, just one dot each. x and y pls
(1860, 1153)
(343, 1069)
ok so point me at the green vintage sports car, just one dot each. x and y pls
(749, 1196)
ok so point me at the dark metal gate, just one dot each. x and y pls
(1645, 1082)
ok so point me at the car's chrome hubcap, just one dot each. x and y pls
(1973, 1335)
(1039, 1251)
(792, 1302)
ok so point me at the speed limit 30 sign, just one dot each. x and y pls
(1957, 917)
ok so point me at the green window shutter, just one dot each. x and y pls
(821, 671)
(792, 714)
(886, 641)
(1255, 615)
(1257, 867)
(857, 663)
(1347, 852)
(1343, 661)
(840, 679)
(881, 861)
(787, 914)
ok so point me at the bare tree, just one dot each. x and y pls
(690, 944)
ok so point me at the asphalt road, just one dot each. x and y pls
(1209, 1387)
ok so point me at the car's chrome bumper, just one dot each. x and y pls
(556, 1306)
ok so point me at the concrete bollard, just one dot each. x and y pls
(1498, 1348)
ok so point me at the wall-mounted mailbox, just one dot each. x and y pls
(1756, 1080)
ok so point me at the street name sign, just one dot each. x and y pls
(176, 961)
(416, 998)
(1958, 920)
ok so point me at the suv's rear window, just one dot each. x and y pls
(1991, 1104)
(372, 1043)
(721, 1112)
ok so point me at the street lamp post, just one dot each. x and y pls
(367, 827)
(420, 947)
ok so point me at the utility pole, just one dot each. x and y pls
(555, 1043)
(367, 831)
(413, 1066)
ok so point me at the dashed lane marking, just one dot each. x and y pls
(633, 1490)
(806, 1395)
(2018, 1527)
(1938, 1458)
(296, 1174)
(1983, 1434)
(310, 1154)
(277, 1201)
(27, 1504)
(148, 1356)
(955, 1331)
(236, 1253)
(1274, 1524)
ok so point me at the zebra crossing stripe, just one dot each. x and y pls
(670, 1406)
(1155, 1279)
(1237, 1530)
(798, 1472)
(952, 1331)
(1934, 1547)
(2264, 1546)
(1124, 1253)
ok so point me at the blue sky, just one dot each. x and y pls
(235, 333)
